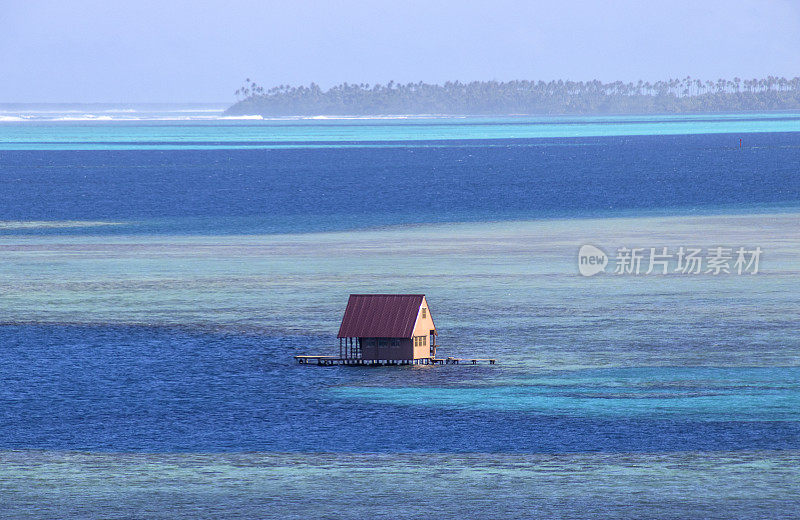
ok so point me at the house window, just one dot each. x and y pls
(424, 313)
(424, 340)
(395, 342)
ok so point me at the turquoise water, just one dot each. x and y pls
(352, 132)
(759, 484)
(148, 320)
(702, 393)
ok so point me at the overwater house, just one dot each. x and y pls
(387, 327)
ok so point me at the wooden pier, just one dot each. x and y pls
(357, 362)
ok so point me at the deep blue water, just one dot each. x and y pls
(297, 190)
(149, 389)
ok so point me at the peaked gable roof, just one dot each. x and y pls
(380, 315)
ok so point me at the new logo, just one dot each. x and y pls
(591, 260)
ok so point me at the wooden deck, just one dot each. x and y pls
(339, 361)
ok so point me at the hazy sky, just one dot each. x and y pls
(173, 51)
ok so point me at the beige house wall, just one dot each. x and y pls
(423, 327)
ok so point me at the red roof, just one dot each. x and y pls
(380, 315)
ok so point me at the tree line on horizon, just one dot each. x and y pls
(521, 97)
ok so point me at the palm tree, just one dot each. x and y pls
(556, 96)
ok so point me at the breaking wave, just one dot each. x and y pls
(89, 113)
(52, 224)
(85, 117)
(253, 117)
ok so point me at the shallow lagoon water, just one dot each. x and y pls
(751, 484)
(365, 132)
(147, 361)
(516, 277)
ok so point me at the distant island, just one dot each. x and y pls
(686, 95)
